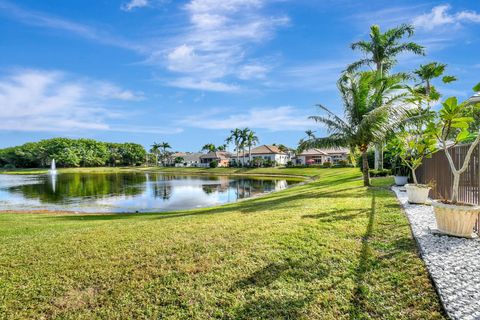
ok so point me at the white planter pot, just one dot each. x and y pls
(401, 180)
(417, 194)
(455, 220)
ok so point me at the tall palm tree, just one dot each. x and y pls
(155, 150)
(251, 140)
(370, 105)
(164, 146)
(236, 138)
(222, 147)
(381, 52)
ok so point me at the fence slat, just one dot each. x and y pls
(436, 170)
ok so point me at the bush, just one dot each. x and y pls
(289, 164)
(9, 166)
(327, 164)
(214, 164)
(380, 173)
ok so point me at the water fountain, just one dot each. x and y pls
(53, 167)
(53, 175)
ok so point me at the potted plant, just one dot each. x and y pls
(399, 170)
(452, 128)
(412, 145)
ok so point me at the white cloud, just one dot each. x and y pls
(215, 42)
(39, 100)
(129, 6)
(284, 118)
(201, 84)
(40, 19)
(441, 16)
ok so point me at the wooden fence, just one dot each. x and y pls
(437, 170)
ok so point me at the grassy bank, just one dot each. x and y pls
(330, 249)
(307, 172)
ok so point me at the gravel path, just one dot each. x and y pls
(453, 263)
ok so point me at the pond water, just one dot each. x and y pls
(128, 192)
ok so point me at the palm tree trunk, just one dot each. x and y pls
(365, 169)
(250, 155)
(238, 159)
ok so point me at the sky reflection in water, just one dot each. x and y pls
(128, 192)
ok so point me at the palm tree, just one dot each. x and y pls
(310, 134)
(381, 53)
(155, 150)
(236, 138)
(370, 106)
(222, 147)
(209, 147)
(164, 146)
(426, 73)
(251, 140)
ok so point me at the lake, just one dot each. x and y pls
(129, 192)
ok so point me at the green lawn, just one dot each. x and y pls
(329, 249)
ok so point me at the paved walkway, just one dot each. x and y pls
(453, 263)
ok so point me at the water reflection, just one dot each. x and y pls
(122, 192)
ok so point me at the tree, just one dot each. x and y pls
(209, 147)
(164, 154)
(452, 125)
(236, 138)
(371, 106)
(426, 73)
(156, 151)
(381, 53)
(251, 140)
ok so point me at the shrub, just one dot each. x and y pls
(9, 166)
(380, 173)
(289, 164)
(327, 164)
(214, 164)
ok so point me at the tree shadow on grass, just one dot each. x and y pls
(337, 215)
(282, 304)
(357, 303)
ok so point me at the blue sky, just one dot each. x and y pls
(187, 72)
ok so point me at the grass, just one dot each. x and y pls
(280, 171)
(329, 249)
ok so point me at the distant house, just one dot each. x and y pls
(475, 98)
(268, 152)
(319, 156)
(190, 159)
(222, 157)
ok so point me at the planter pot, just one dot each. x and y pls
(417, 193)
(401, 180)
(455, 220)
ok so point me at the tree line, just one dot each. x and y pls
(72, 153)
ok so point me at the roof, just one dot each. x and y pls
(266, 149)
(190, 156)
(313, 152)
(324, 152)
(475, 98)
(216, 155)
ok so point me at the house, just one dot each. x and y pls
(319, 156)
(474, 99)
(267, 152)
(190, 159)
(222, 158)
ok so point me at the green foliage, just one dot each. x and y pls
(327, 164)
(72, 153)
(380, 173)
(213, 164)
(289, 164)
(477, 87)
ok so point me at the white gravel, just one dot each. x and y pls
(453, 263)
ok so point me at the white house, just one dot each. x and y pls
(190, 159)
(319, 156)
(267, 152)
